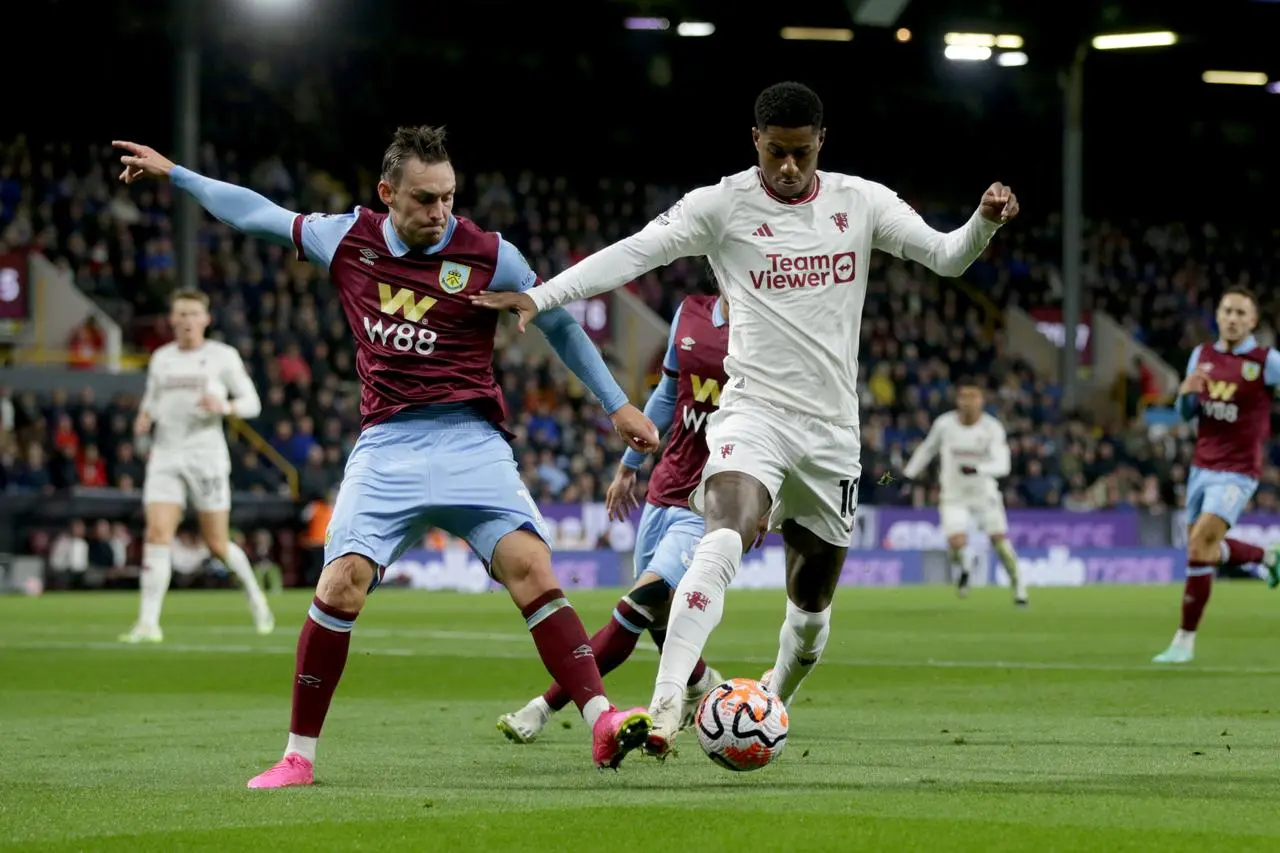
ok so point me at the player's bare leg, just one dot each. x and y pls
(215, 530)
(1009, 559)
(522, 563)
(813, 571)
(644, 607)
(956, 545)
(157, 569)
(322, 656)
(734, 504)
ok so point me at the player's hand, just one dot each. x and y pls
(999, 204)
(141, 160)
(1194, 384)
(142, 424)
(521, 303)
(636, 429)
(968, 470)
(622, 497)
(211, 404)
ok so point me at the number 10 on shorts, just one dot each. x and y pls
(849, 497)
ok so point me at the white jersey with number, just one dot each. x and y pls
(176, 381)
(982, 445)
(794, 272)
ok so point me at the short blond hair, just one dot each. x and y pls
(189, 294)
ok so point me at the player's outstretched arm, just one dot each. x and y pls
(924, 453)
(901, 231)
(690, 227)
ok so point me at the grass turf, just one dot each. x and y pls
(932, 724)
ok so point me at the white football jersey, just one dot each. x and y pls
(794, 272)
(178, 378)
(983, 445)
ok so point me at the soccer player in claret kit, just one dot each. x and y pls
(973, 451)
(692, 378)
(790, 247)
(432, 452)
(1228, 390)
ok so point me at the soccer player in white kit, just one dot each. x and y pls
(974, 452)
(790, 247)
(192, 384)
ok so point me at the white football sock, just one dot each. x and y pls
(304, 746)
(238, 562)
(695, 611)
(800, 644)
(153, 583)
(1185, 640)
(594, 709)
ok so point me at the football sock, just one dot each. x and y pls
(800, 645)
(153, 583)
(1237, 553)
(611, 645)
(659, 636)
(1195, 596)
(322, 655)
(238, 562)
(1009, 559)
(697, 609)
(955, 556)
(566, 652)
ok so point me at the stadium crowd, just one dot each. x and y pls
(919, 335)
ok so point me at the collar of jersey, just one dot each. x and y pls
(1247, 345)
(717, 315)
(804, 199)
(398, 247)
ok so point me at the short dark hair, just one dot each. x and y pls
(423, 142)
(788, 105)
(1240, 290)
(968, 382)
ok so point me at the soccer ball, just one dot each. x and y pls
(741, 725)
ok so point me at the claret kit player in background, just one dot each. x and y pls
(974, 452)
(432, 452)
(790, 248)
(689, 391)
(1228, 390)
(192, 384)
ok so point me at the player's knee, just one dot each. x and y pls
(960, 540)
(522, 563)
(158, 533)
(1204, 549)
(344, 583)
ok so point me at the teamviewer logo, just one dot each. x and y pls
(843, 267)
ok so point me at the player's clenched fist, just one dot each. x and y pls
(1194, 384)
(636, 429)
(999, 204)
(141, 160)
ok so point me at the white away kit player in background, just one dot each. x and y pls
(192, 384)
(790, 247)
(974, 452)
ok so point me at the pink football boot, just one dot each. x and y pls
(291, 770)
(616, 733)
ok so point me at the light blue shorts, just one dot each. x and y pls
(453, 471)
(1221, 493)
(665, 541)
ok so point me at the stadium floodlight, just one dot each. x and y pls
(969, 39)
(1008, 42)
(646, 23)
(967, 53)
(1274, 88)
(1011, 59)
(1123, 41)
(695, 29)
(903, 35)
(816, 34)
(1235, 78)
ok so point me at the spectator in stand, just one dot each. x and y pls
(86, 345)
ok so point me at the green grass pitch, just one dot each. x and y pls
(933, 724)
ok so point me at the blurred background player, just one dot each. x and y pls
(192, 384)
(973, 450)
(432, 451)
(791, 249)
(1228, 389)
(692, 378)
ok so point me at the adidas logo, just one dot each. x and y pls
(763, 231)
